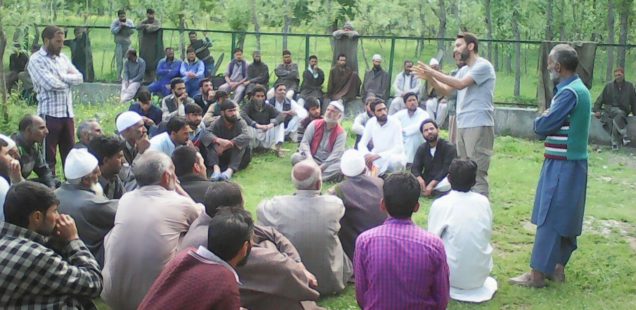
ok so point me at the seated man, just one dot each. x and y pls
(344, 82)
(187, 278)
(311, 222)
(168, 68)
(191, 172)
(312, 106)
(82, 198)
(287, 74)
(264, 121)
(109, 152)
(132, 131)
(214, 109)
(613, 106)
(419, 278)
(257, 73)
(292, 112)
(149, 225)
(411, 118)
(405, 83)
(202, 50)
(192, 71)
(86, 131)
(313, 78)
(37, 273)
(29, 139)
(361, 120)
(205, 98)
(463, 219)
(194, 117)
(9, 169)
(436, 106)
(361, 195)
(150, 113)
(227, 143)
(376, 81)
(131, 76)
(432, 160)
(385, 134)
(174, 104)
(274, 276)
(236, 76)
(324, 142)
(178, 133)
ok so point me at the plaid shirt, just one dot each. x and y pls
(34, 276)
(52, 78)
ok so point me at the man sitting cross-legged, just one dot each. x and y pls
(324, 142)
(36, 273)
(274, 276)
(311, 222)
(290, 109)
(463, 219)
(432, 160)
(205, 278)
(264, 121)
(399, 265)
(82, 198)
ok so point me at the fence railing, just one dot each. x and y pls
(393, 49)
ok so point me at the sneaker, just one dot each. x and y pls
(215, 177)
(226, 175)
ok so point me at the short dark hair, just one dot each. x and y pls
(203, 81)
(150, 11)
(190, 50)
(25, 198)
(144, 95)
(190, 108)
(184, 157)
(168, 48)
(341, 55)
(401, 192)
(50, 31)
(238, 49)
(227, 104)
(192, 33)
(313, 57)
(220, 94)
(376, 102)
(120, 12)
(175, 81)
(286, 52)
(279, 85)
(229, 229)
(311, 102)
(26, 122)
(222, 194)
(462, 174)
(426, 121)
(102, 147)
(259, 89)
(469, 38)
(408, 61)
(409, 94)
(175, 124)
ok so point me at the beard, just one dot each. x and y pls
(231, 119)
(377, 67)
(554, 76)
(54, 50)
(330, 120)
(431, 138)
(98, 189)
(257, 61)
(381, 119)
(463, 56)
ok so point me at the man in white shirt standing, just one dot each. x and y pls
(463, 220)
(411, 118)
(385, 132)
(405, 82)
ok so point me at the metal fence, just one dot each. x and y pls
(393, 49)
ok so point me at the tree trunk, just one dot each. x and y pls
(496, 63)
(549, 35)
(182, 36)
(3, 84)
(508, 61)
(562, 22)
(441, 30)
(517, 34)
(610, 40)
(286, 24)
(489, 27)
(257, 26)
(624, 13)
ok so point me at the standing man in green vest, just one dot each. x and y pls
(560, 199)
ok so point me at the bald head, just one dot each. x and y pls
(306, 176)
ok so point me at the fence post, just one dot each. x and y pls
(233, 43)
(306, 50)
(388, 90)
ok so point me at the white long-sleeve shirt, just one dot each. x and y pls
(411, 130)
(406, 84)
(387, 139)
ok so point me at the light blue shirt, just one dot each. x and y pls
(162, 143)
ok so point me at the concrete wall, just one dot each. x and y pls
(516, 122)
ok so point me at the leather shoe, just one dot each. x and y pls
(528, 279)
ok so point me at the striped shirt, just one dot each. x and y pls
(400, 266)
(52, 78)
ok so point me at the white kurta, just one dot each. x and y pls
(387, 143)
(411, 130)
(293, 124)
(464, 222)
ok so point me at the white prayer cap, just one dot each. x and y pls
(433, 62)
(127, 120)
(352, 163)
(338, 105)
(9, 141)
(377, 57)
(79, 163)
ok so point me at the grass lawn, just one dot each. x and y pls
(601, 273)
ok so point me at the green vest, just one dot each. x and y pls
(570, 141)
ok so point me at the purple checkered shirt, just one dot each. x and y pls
(400, 266)
(52, 78)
